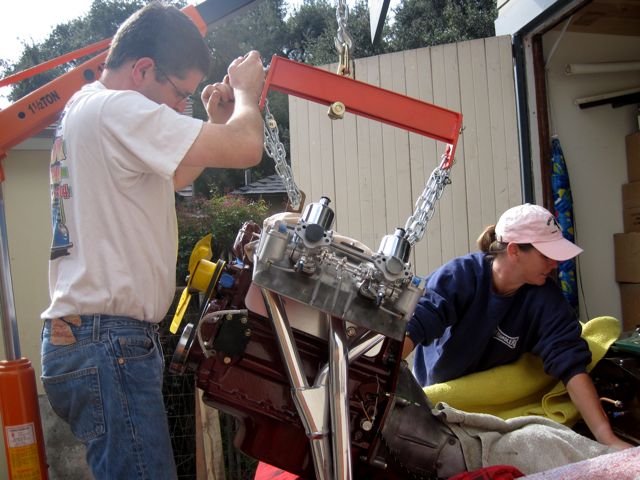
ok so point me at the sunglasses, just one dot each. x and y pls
(182, 95)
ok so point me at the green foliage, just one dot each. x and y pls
(421, 23)
(221, 216)
(261, 28)
(360, 30)
(311, 29)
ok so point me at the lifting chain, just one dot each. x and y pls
(425, 205)
(275, 149)
(344, 42)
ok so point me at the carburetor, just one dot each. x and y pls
(300, 257)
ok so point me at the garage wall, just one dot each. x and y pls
(593, 142)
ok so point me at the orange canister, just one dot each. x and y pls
(22, 427)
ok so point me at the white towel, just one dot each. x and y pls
(530, 443)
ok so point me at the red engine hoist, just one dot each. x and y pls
(22, 428)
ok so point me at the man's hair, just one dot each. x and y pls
(163, 33)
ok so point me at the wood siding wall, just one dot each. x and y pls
(374, 173)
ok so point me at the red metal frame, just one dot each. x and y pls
(40, 108)
(324, 87)
(44, 66)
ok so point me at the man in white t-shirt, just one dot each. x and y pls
(121, 150)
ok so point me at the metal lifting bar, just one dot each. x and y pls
(366, 100)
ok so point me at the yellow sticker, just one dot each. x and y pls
(24, 462)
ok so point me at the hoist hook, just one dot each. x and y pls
(344, 42)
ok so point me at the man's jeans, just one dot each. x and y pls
(103, 375)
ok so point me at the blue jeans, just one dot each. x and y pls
(106, 383)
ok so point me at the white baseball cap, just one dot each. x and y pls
(535, 225)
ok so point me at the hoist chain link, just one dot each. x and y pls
(342, 37)
(344, 41)
(425, 205)
(275, 149)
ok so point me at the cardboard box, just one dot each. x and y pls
(630, 302)
(631, 195)
(627, 257)
(633, 157)
(631, 207)
(631, 219)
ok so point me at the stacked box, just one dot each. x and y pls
(633, 157)
(627, 244)
(631, 207)
(630, 300)
(627, 255)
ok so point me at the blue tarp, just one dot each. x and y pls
(563, 205)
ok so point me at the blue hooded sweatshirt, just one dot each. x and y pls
(461, 326)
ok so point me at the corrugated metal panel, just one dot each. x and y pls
(374, 173)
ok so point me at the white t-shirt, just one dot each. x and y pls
(115, 235)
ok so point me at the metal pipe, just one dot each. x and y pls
(368, 341)
(604, 97)
(7, 305)
(605, 67)
(311, 402)
(524, 134)
(339, 398)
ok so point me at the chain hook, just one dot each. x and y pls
(346, 66)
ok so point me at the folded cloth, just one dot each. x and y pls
(620, 465)
(529, 443)
(522, 387)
